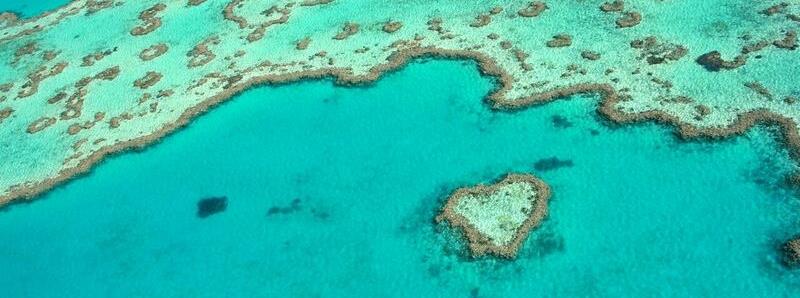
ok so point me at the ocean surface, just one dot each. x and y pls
(635, 212)
(30, 8)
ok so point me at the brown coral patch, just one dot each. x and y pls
(759, 89)
(712, 61)
(349, 29)
(258, 33)
(27, 49)
(392, 27)
(58, 97)
(702, 111)
(35, 78)
(75, 128)
(789, 42)
(303, 43)
(629, 19)
(590, 55)
(314, 2)
(775, 9)
(150, 19)
(5, 113)
(116, 121)
(560, 41)
(90, 59)
(614, 6)
(754, 47)
(230, 15)
(534, 9)
(656, 52)
(40, 124)
(201, 55)
(148, 80)
(481, 20)
(521, 56)
(153, 52)
(195, 2)
(108, 74)
(791, 252)
(94, 6)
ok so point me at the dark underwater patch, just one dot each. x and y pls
(561, 122)
(292, 208)
(547, 243)
(210, 206)
(475, 292)
(320, 214)
(552, 163)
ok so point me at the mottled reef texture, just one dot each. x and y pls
(497, 218)
(791, 252)
(95, 77)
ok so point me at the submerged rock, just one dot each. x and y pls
(210, 206)
(292, 208)
(552, 163)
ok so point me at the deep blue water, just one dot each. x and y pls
(639, 213)
(30, 8)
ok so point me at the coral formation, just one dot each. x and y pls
(534, 9)
(497, 218)
(791, 252)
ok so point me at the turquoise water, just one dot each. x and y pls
(638, 212)
(30, 8)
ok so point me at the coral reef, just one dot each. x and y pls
(497, 218)
(48, 81)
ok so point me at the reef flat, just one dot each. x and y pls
(99, 76)
(497, 218)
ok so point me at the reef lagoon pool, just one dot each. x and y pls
(332, 191)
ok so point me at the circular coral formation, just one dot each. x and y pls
(153, 52)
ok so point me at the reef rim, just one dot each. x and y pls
(496, 99)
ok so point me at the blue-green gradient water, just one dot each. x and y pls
(30, 8)
(639, 213)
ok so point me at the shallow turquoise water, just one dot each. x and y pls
(30, 8)
(639, 212)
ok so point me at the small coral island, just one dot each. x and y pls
(496, 218)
